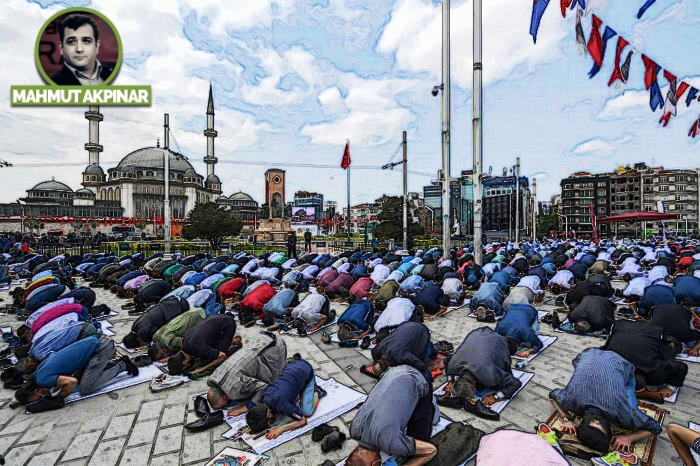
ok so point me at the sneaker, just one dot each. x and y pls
(444, 347)
(333, 441)
(556, 322)
(321, 392)
(366, 342)
(486, 315)
(164, 382)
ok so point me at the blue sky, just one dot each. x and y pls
(294, 79)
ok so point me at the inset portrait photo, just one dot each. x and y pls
(78, 47)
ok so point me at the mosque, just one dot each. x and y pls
(132, 190)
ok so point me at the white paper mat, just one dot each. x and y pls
(499, 406)
(339, 400)
(122, 381)
(106, 327)
(546, 341)
(687, 358)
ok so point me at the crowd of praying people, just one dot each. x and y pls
(642, 298)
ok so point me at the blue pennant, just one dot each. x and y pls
(656, 100)
(692, 94)
(581, 3)
(644, 8)
(538, 9)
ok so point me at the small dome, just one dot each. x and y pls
(241, 196)
(213, 179)
(52, 185)
(94, 170)
(84, 193)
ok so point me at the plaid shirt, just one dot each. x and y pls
(605, 381)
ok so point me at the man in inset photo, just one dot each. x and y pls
(80, 43)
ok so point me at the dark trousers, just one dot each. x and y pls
(420, 425)
(307, 246)
(669, 372)
(100, 371)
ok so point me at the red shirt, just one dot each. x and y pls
(39, 283)
(362, 287)
(257, 299)
(54, 313)
(228, 289)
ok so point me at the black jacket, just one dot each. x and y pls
(65, 77)
(148, 324)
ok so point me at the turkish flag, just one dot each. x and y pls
(345, 164)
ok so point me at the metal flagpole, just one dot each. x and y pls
(517, 200)
(446, 127)
(349, 216)
(534, 210)
(478, 133)
(166, 175)
(405, 192)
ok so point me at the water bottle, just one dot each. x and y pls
(521, 364)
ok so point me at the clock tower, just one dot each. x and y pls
(274, 192)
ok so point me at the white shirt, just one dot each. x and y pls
(658, 273)
(398, 311)
(452, 287)
(249, 267)
(563, 278)
(636, 287)
(46, 307)
(633, 269)
(396, 275)
(344, 268)
(380, 273)
(375, 262)
(58, 322)
(490, 268)
(310, 272)
(289, 264)
(532, 282)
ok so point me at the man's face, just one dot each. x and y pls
(79, 48)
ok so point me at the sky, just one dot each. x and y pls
(293, 80)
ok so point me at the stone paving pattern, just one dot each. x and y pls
(135, 427)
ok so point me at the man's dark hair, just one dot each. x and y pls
(593, 437)
(352, 298)
(268, 319)
(74, 22)
(382, 334)
(464, 389)
(512, 346)
(582, 326)
(383, 366)
(555, 288)
(176, 363)
(256, 418)
(131, 340)
(344, 332)
(674, 346)
(154, 352)
(299, 324)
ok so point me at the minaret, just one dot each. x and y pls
(93, 147)
(210, 133)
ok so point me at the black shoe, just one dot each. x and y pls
(449, 401)
(128, 305)
(366, 341)
(201, 406)
(479, 409)
(320, 432)
(547, 319)
(328, 463)
(444, 347)
(210, 420)
(559, 300)
(46, 403)
(9, 373)
(130, 366)
(486, 316)
(556, 322)
(321, 392)
(333, 441)
(15, 382)
(135, 312)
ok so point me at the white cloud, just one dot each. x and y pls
(603, 147)
(414, 35)
(633, 105)
(332, 101)
(242, 14)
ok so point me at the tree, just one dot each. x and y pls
(140, 224)
(547, 223)
(211, 222)
(391, 220)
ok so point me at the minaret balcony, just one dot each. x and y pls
(210, 133)
(93, 116)
(92, 147)
(209, 159)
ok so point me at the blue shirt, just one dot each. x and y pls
(503, 279)
(360, 314)
(687, 288)
(655, 295)
(55, 340)
(517, 324)
(359, 271)
(279, 304)
(405, 268)
(196, 279)
(604, 380)
(412, 284)
(65, 362)
(281, 395)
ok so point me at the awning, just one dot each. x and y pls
(638, 217)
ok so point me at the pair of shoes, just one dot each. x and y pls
(163, 382)
(13, 383)
(444, 347)
(449, 401)
(131, 368)
(208, 421)
(547, 319)
(201, 406)
(486, 315)
(626, 312)
(128, 305)
(366, 341)
(556, 322)
(479, 409)
(559, 300)
(349, 343)
(331, 438)
(9, 373)
(320, 432)
(48, 402)
(137, 311)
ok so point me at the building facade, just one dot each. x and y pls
(579, 191)
(361, 214)
(308, 199)
(461, 203)
(501, 216)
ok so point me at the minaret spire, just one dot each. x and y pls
(93, 146)
(210, 133)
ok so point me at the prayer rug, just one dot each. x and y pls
(499, 406)
(338, 401)
(644, 449)
(546, 340)
(568, 327)
(696, 428)
(684, 357)
(295, 333)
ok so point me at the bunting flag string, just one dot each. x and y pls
(695, 129)
(656, 100)
(644, 8)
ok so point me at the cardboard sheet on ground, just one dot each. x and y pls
(644, 449)
(686, 358)
(106, 327)
(674, 396)
(123, 381)
(546, 340)
(524, 378)
(339, 400)
(295, 333)
(696, 428)
(540, 314)
(571, 331)
(335, 339)
(439, 427)
(243, 457)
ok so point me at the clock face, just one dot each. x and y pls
(277, 179)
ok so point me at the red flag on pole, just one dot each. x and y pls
(595, 43)
(346, 157)
(617, 71)
(564, 5)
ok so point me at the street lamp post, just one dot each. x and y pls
(432, 217)
(446, 127)
(23, 215)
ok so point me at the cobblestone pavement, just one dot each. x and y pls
(136, 427)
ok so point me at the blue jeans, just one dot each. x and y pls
(306, 398)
